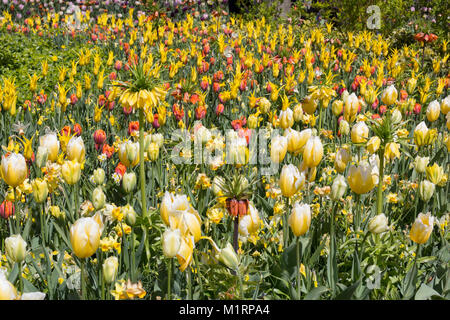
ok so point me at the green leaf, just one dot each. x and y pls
(425, 293)
(348, 293)
(315, 293)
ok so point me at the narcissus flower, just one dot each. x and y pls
(422, 228)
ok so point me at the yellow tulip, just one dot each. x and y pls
(71, 172)
(445, 105)
(153, 151)
(129, 153)
(389, 95)
(433, 111)
(250, 223)
(190, 224)
(16, 248)
(337, 107)
(171, 242)
(7, 289)
(351, 106)
(422, 228)
(300, 219)
(360, 178)
(40, 190)
(171, 206)
(420, 133)
(420, 164)
(14, 169)
(313, 152)
(51, 143)
(75, 150)
(291, 180)
(435, 173)
(185, 252)
(85, 237)
(360, 132)
(297, 140)
(286, 118)
(373, 144)
(278, 149)
(309, 105)
(343, 156)
(392, 151)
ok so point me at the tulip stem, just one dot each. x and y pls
(17, 212)
(20, 277)
(298, 268)
(380, 182)
(76, 206)
(133, 258)
(83, 280)
(241, 287)
(285, 225)
(169, 279)
(141, 162)
(189, 282)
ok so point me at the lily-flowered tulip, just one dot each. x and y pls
(14, 169)
(51, 143)
(360, 132)
(361, 178)
(300, 219)
(172, 205)
(422, 228)
(433, 111)
(75, 150)
(313, 152)
(85, 236)
(389, 95)
(291, 180)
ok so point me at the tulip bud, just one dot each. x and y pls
(338, 188)
(40, 190)
(110, 269)
(129, 181)
(171, 242)
(98, 198)
(378, 224)
(51, 143)
(373, 144)
(313, 152)
(13, 169)
(153, 151)
(389, 95)
(422, 228)
(344, 127)
(360, 132)
(426, 190)
(41, 156)
(337, 107)
(300, 219)
(71, 172)
(16, 248)
(229, 257)
(129, 214)
(99, 176)
(85, 237)
(75, 150)
(396, 116)
(433, 111)
(420, 164)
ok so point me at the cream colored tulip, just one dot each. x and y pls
(291, 180)
(360, 132)
(422, 228)
(300, 219)
(51, 143)
(171, 242)
(14, 169)
(75, 150)
(278, 148)
(433, 111)
(85, 237)
(313, 152)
